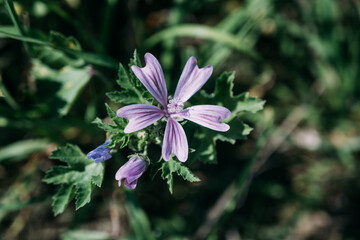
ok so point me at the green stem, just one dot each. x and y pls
(8, 98)
(15, 20)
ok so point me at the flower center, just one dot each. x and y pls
(175, 106)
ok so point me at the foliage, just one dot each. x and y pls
(76, 179)
(133, 92)
(170, 167)
(288, 171)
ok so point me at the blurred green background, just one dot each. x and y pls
(296, 177)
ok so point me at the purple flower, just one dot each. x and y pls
(191, 80)
(101, 153)
(131, 171)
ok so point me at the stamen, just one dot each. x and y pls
(175, 106)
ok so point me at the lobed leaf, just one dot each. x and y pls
(119, 122)
(172, 166)
(70, 154)
(132, 90)
(125, 96)
(75, 179)
(105, 126)
(205, 139)
(62, 198)
(224, 96)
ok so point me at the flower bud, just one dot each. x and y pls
(101, 153)
(131, 171)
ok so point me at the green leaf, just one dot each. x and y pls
(60, 87)
(56, 59)
(11, 10)
(203, 32)
(117, 130)
(105, 126)
(85, 234)
(223, 95)
(132, 90)
(119, 122)
(125, 96)
(21, 149)
(172, 166)
(62, 198)
(92, 58)
(70, 154)
(138, 219)
(59, 40)
(205, 139)
(75, 179)
(135, 61)
(239, 131)
(9, 30)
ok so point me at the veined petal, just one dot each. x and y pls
(140, 116)
(131, 171)
(101, 153)
(208, 116)
(174, 141)
(191, 80)
(152, 77)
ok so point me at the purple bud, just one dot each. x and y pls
(101, 153)
(131, 171)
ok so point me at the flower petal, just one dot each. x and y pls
(174, 141)
(131, 171)
(152, 77)
(208, 116)
(191, 80)
(140, 116)
(101, 153)
(131, 185)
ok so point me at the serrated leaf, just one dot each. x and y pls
(117, 130)
(75, 179)
(132, 90)
(135, 61)
(62, 198)
(106, 127)
(83, 193)
(239, 131)
(121, 138)
(205, 139)
(223, 95)
(129, 93)
(70, 154)
(119, 122)
(97, 180)
(185, 173)
(62, 174)
(172, 166)
(125, 96)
